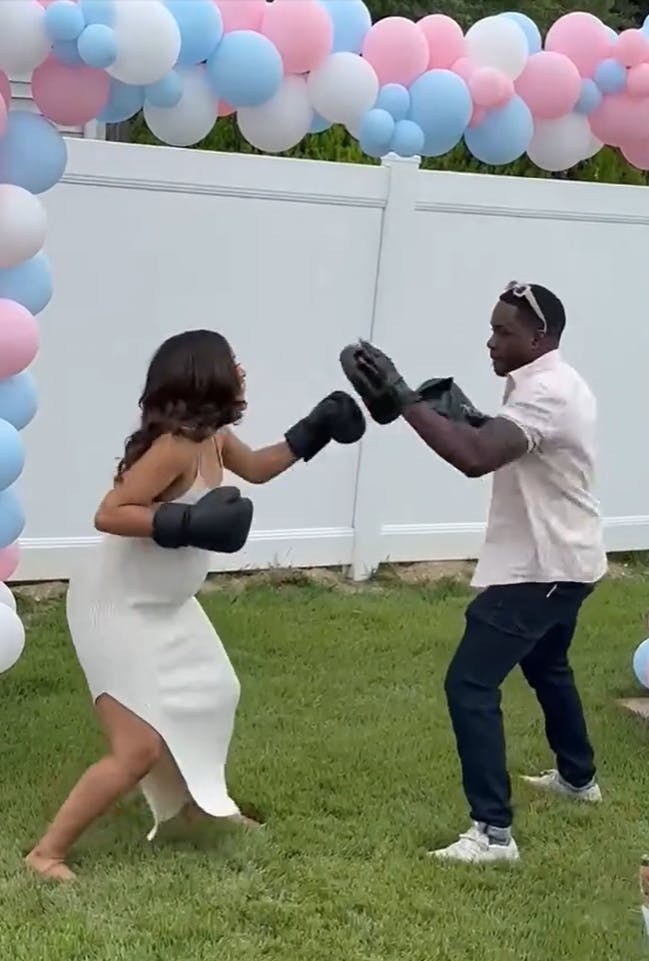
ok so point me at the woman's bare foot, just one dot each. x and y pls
(52, 869)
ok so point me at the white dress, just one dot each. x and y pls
(142, 637)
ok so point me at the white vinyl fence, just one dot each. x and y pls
(292, 260)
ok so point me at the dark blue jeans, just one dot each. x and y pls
(531, 625)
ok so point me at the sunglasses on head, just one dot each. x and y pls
(524, 291)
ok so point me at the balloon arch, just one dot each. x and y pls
(286, 68)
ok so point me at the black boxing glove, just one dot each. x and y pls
(338, 417)
(377, 382)
(220, 521)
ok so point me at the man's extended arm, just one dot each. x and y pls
(474, 451)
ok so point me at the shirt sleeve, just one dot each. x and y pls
(536, 411)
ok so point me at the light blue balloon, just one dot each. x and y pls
(394, 98)
(98, 46)
(33, 153)
(64, 20)
(529, 28)
(12, 517)
(590, 97)
(351, 22)
(12, 455)
(441, 106)
(18, 399)
(124, 102)
(376, 132)
(29, 284)
(504, 135)
(167, 92)
(246, 69)
(645, 26)
(67, 52)
(98, 11)
(201, 29)
(641, 663)
(319, 124)
(610, 76)
(408, 139)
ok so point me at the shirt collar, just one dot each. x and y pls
(544, 362)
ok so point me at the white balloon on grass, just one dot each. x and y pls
(23, 225)
(560, 144)
(343, 88)
(193, 116)
(24, 43)
(282, 121)
(148, 42)
(12, 638)
(500, 43)
(6, 597)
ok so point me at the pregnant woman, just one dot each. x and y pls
(162, 684)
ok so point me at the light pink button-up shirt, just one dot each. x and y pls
(544, 521)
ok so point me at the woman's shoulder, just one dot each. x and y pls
(175, 446)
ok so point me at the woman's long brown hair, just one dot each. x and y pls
(192, 389)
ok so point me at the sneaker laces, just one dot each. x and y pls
(471, 839)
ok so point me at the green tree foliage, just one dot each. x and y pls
(337, 145)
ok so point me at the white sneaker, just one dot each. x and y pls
(553, 782)
(475, 847)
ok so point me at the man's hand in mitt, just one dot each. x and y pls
(377, 382)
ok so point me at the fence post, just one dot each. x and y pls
(391, 276)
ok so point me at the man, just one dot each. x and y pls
(541, 558)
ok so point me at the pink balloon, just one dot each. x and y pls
(636, 152)
(302, 32)
(5, 88)
(19, 339)
(490, 88)
(444, 38)
(464, 68)
(9, 558)
(225, 110)
(619, 118)
(550, 85)
(70, 96)
(478, 115)
(242, 14)
(397, 50)
(637, 83)
(583, 38)
(631, 48)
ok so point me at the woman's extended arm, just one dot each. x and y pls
(256, 466)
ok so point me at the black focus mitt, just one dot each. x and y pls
(444, 396)
(376, 381)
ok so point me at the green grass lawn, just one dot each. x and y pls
(343, 744)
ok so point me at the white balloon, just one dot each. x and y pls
(282, 121)
(498, 42)
(148, 42)
(12, 638)
(23, 225)
(593, 148)
(24, 44)
(342, 88)
(6, 597)
(560, 144)
(193, 116)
